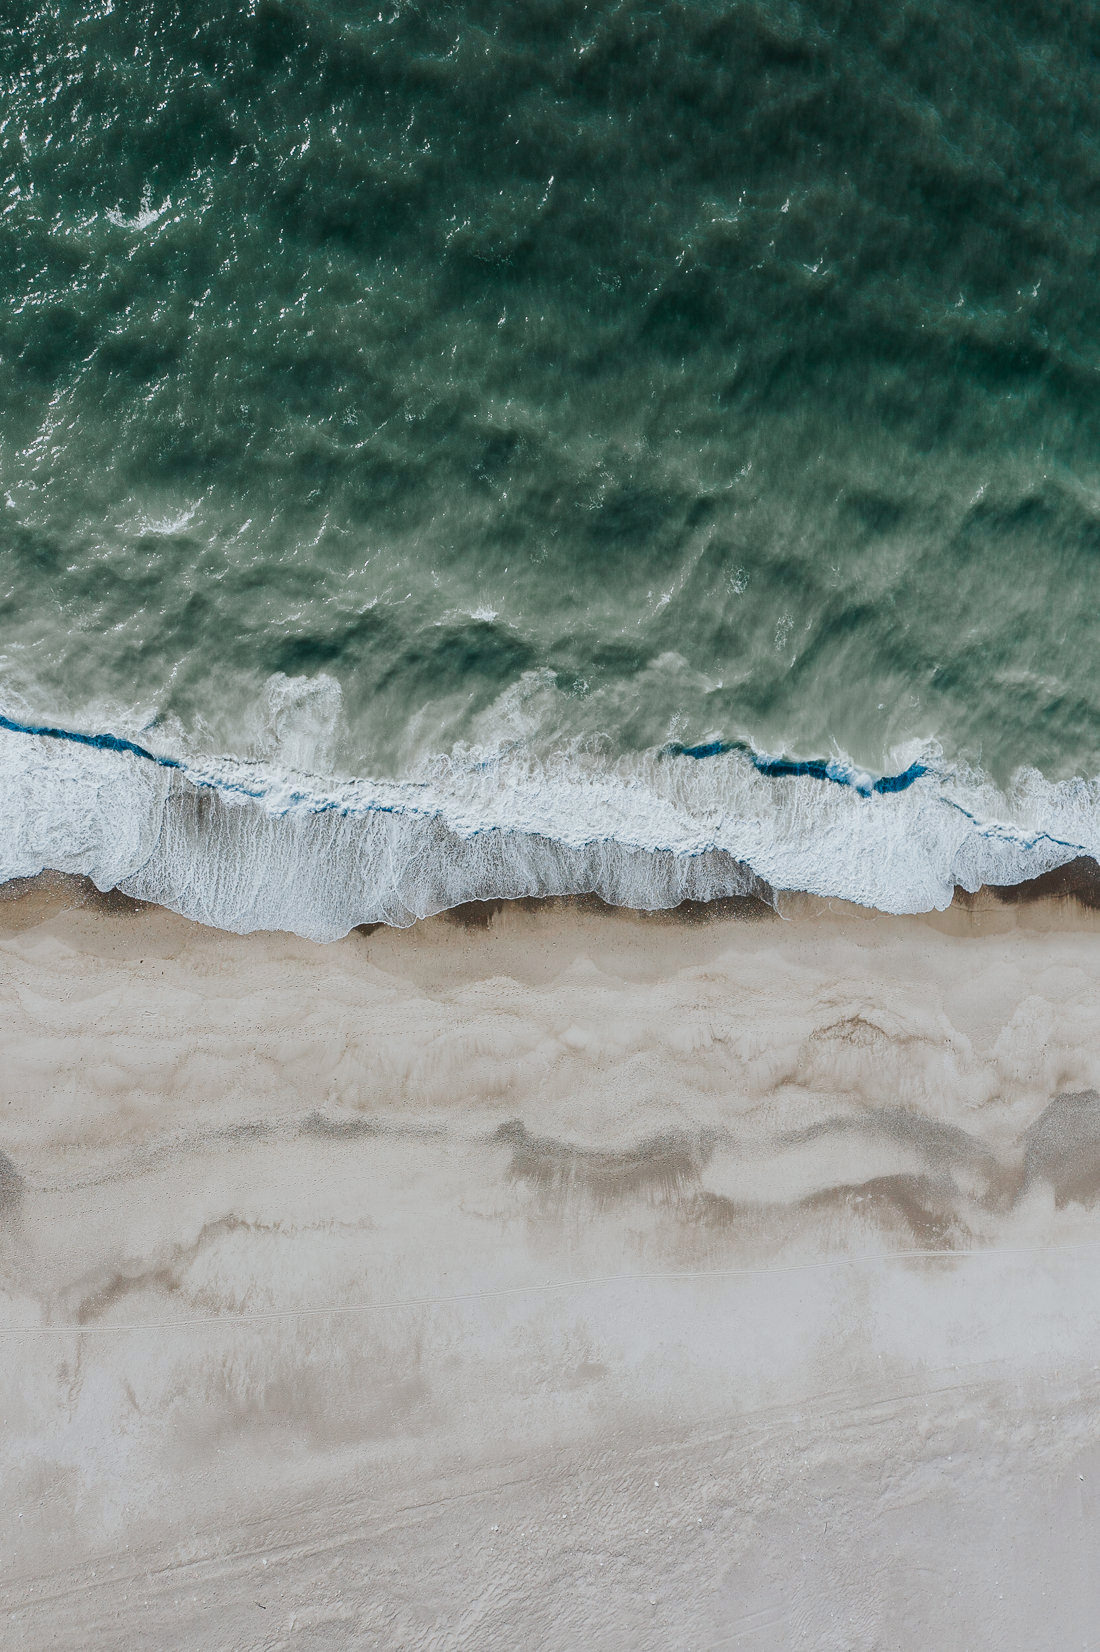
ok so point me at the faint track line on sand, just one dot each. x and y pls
(592, 1283)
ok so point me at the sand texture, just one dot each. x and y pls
(550, 1279)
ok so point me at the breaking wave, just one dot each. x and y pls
(245, 846)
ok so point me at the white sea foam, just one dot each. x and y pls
(146, 215)
(244, 846)
(169, 524)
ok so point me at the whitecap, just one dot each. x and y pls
(146, 215)
(172, 523)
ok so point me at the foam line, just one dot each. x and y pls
(247, 846)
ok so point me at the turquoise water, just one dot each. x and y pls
(442, 416)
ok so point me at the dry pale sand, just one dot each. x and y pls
(565, 1280)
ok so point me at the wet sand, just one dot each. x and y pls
(551, 1277)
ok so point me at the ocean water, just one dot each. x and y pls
(463, 450)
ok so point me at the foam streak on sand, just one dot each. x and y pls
(244, 847)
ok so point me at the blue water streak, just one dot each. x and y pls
(101, 742)
(815, 768)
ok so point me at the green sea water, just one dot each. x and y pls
(380, 383)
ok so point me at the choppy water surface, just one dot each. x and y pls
(424, 424)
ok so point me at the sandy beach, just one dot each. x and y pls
(550, 1277)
